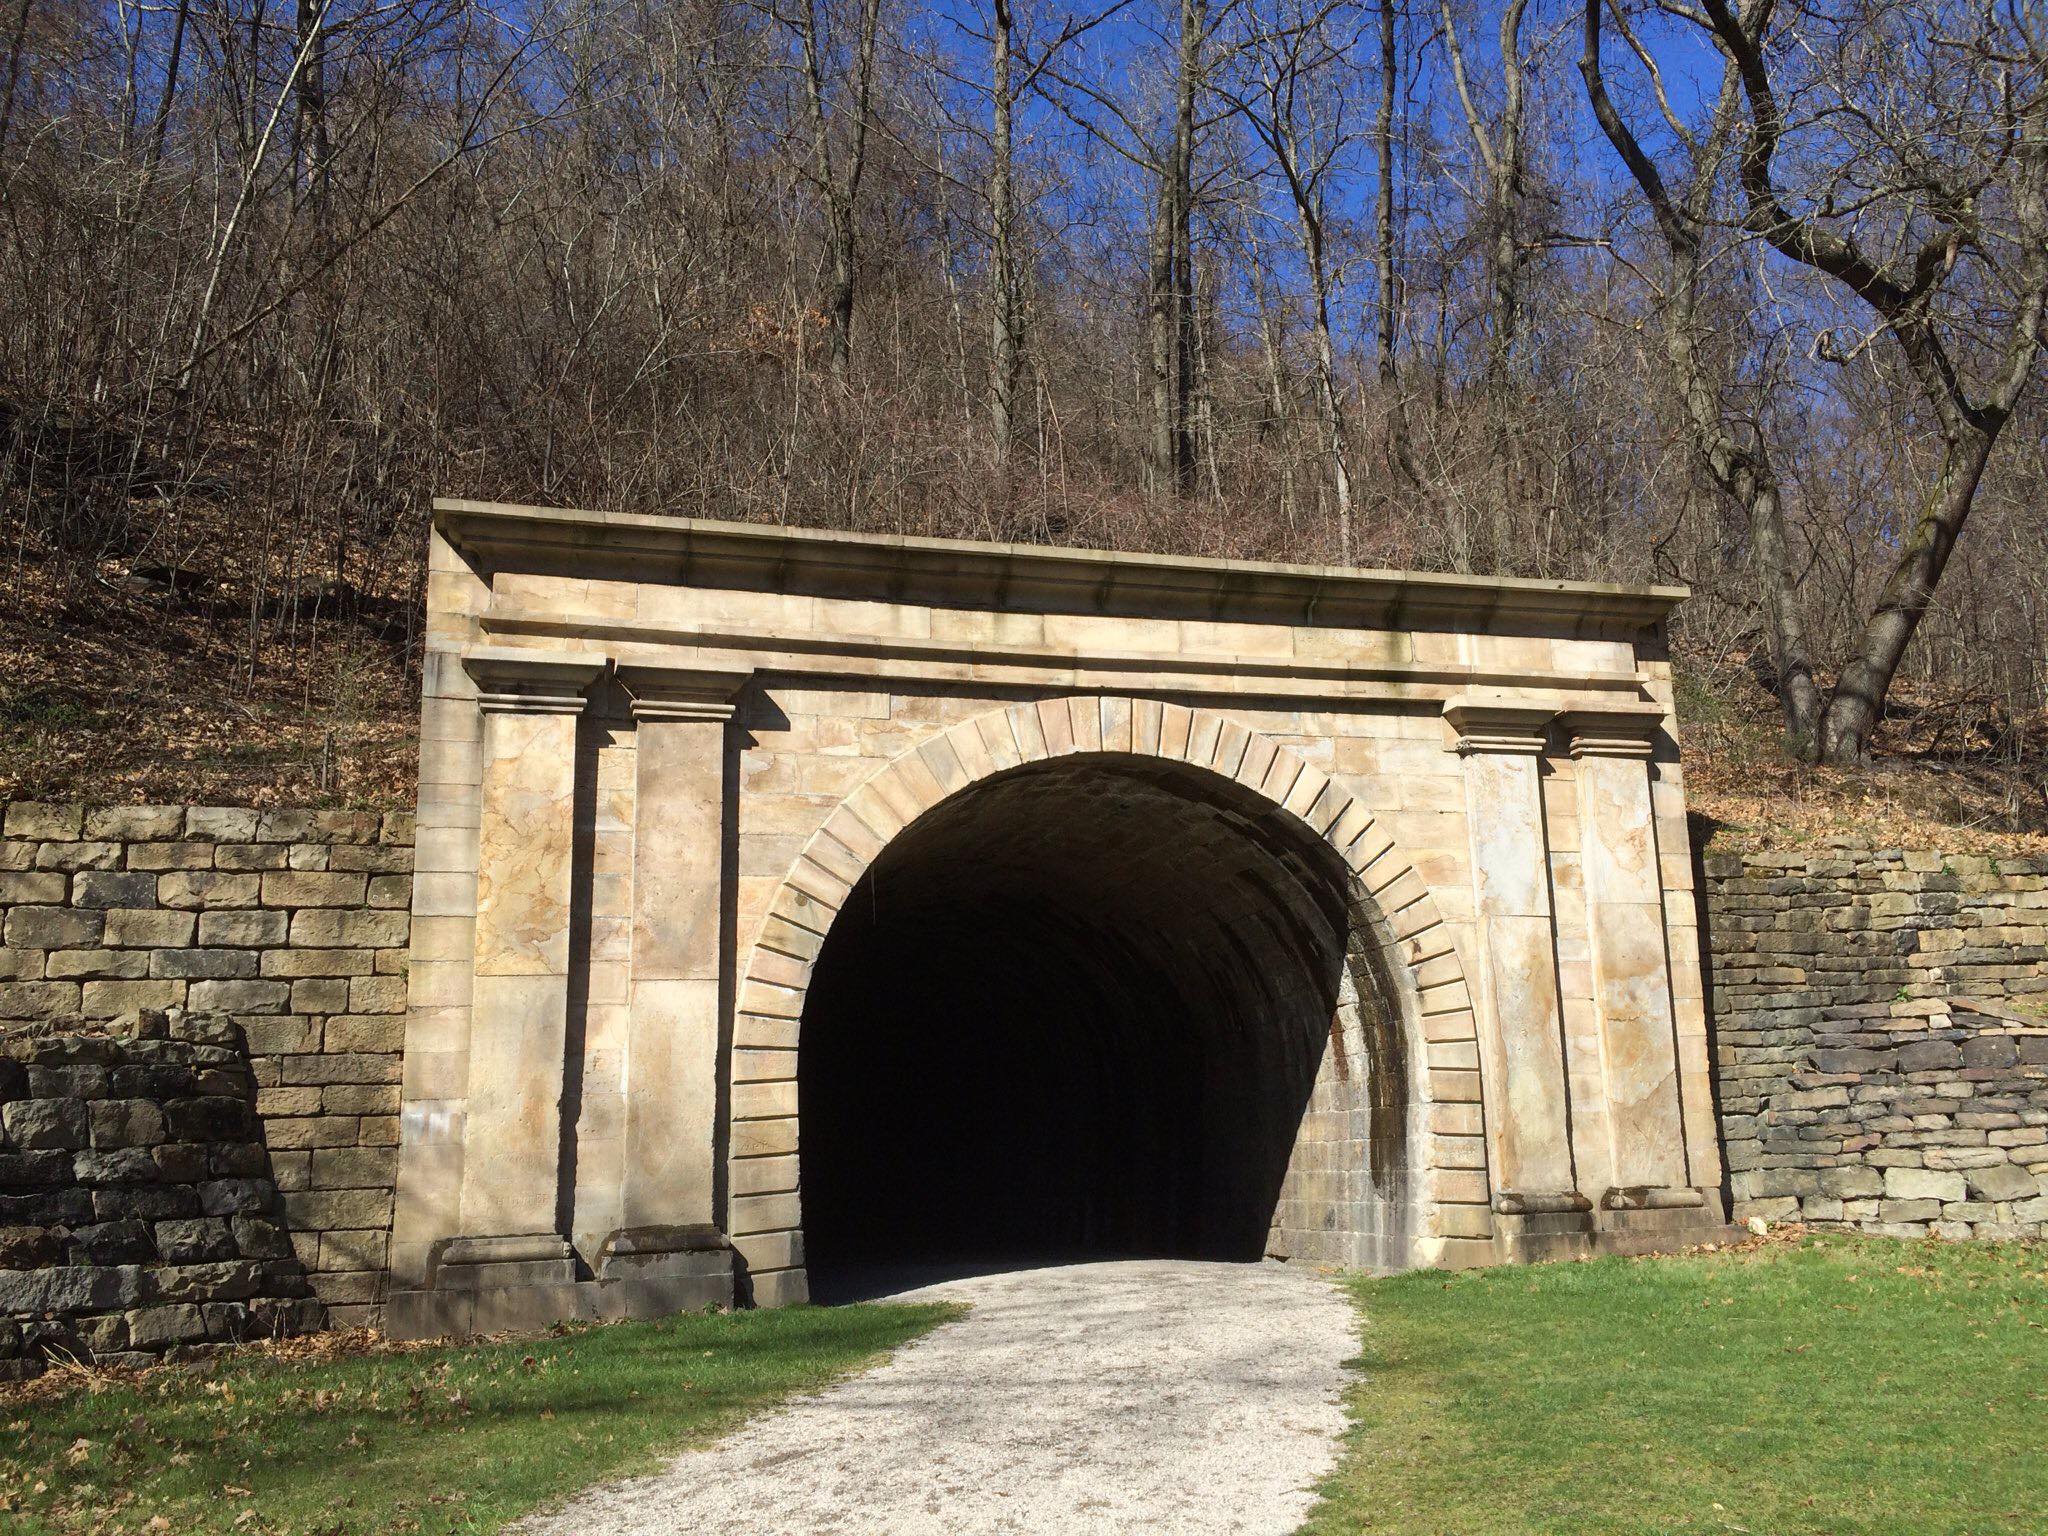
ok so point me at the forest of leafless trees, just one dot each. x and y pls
(1743, 293)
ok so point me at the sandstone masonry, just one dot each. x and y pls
(1880, 1023)
(292, 923)
(138, 1213)
(659, 757)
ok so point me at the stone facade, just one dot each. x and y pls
(660, 755)
(139, 1215)
(294, 924)
(1881, 1039)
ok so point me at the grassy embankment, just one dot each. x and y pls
(432, 1440)
(1814, 1384)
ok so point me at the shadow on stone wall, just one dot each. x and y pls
(140, 1217)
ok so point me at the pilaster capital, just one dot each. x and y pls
(682, 692)
(514, 680)
(1624, 728)
(1498, 723)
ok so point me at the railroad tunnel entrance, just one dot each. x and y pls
(1102, 1006)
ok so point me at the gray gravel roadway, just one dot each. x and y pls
(1114, 1397)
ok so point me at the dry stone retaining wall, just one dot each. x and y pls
(138, 1213)
(294, 924)
(1880, 1024)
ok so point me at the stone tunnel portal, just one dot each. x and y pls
(1102, 1006)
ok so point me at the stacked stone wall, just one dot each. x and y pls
(293, 923)
(138, 1212)
(1880, 1026)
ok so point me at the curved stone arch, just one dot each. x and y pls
(765, 1223)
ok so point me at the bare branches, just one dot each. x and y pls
(1942, 203)
(1322, 278)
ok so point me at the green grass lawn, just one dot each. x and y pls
(442, 1440)
(1823, 1384)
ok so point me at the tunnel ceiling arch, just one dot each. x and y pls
(1393, 865)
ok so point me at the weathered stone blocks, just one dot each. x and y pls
(116, 1242)
(127, 907)
(1903, 1057)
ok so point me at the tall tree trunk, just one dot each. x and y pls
(15, 46)
(1272, 349)
(839, 178)
(1007, 321)
(1386, 254)
(1309, 226)
(1502, 154)
(1745, 474)
(310, 137)
(1332, 420)
(167, 100)
(1170, 299)
(1162, 333)
(839, 292)
(1743, 471)
(1194, 26)
(1858, 700)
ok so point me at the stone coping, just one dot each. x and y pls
(978, 574)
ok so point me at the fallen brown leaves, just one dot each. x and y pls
(63, 1379)
(115, 692)
(1935, 782)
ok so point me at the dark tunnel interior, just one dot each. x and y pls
(1077, 1010)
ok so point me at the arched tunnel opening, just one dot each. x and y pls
(1104, 1006)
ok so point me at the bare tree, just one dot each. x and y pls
(1503, 155)
(1733, 452)
(1296, 96)
(838, 94)
(1017, 65)
(1006, 302)
(1166, 155)
(1386, 251)
(1169, 294)
(1938, 224)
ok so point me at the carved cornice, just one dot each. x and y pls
(1498, 724)
(968, 573)
(1619, 729)
(682, 692)
(513, 680)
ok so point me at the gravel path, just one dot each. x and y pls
(1148, 1396)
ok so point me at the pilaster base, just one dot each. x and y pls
(1533, 1236)
(1654, 1197)
(694, 1263)
(637, 1252)
(1533, 1228)
(496, 1285)
(492, 1263)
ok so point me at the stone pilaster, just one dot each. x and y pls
(668, 1209)
(519, 1016)
(1631, 970)
(1502, 741)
